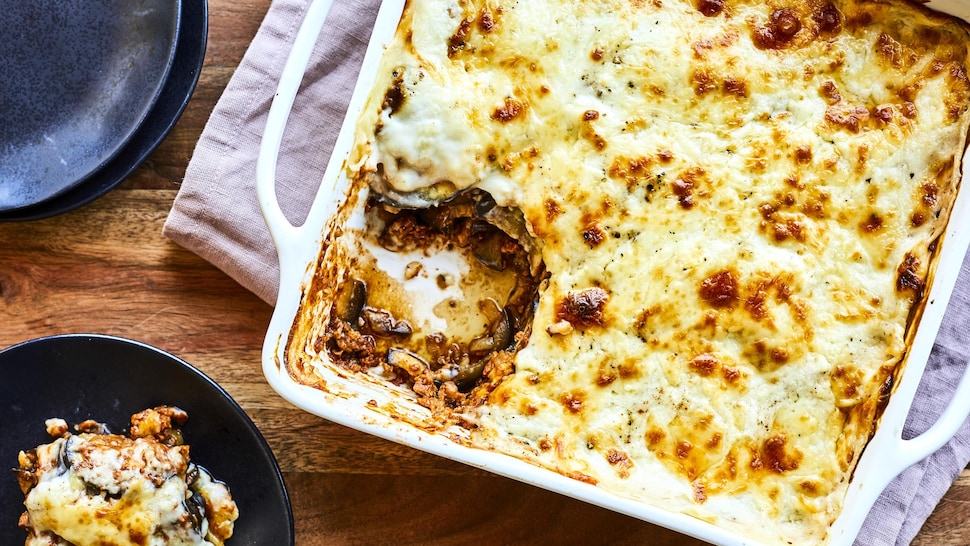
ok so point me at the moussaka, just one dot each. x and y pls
(675, 249)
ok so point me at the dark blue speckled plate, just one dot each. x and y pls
(77, 80)
(175, 95)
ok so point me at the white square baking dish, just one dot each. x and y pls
(372, 406)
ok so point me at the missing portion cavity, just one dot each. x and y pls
(438, 298)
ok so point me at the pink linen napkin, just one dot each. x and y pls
(216, 216)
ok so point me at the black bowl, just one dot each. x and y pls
(79, 376)
(174, 97)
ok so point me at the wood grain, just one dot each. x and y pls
(106, 268)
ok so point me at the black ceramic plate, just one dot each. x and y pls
(78, 77)
(77, 377)
(175, 94)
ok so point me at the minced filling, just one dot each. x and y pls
(458, 356)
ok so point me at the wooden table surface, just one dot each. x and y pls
(106, 268)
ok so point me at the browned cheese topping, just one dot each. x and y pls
(690, 237)
(95, 487)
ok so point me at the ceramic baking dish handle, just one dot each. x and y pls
(946, 426)
(284, 233)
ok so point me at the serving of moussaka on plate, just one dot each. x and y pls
(93, 487)
(673, 248)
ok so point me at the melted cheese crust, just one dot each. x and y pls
(144, 493)
(99, 488)
(752, 192)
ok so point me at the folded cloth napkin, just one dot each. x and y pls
(216, 216)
